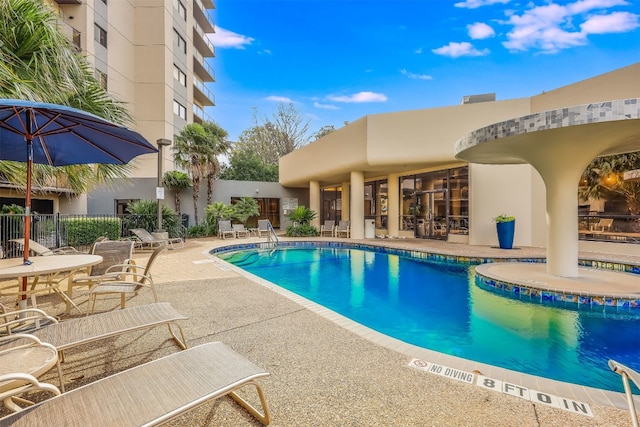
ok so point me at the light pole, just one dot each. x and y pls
(162, 142)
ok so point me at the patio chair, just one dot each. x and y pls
(264, 226)
(627, 374)
(328, 227)
(604, 224)
(154, 392)
(24, 357)
(343, 229)
(240, 230)
(83, 330)
(125, 279)
(225, 229)
(145, 240)
(38, 249)
(114, 253)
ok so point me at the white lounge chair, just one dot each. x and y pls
(328, 228)
(240, 230)
(264, 226)
(83, 330)
(225, 229)
(152, 393)
(145, 240)
(343, 229)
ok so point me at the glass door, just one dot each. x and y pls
(431, 214)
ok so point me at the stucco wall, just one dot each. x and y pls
(622, 83)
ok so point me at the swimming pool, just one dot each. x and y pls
(436, 305)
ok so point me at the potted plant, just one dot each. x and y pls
(505, 225)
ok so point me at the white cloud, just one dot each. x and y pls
(418, 50)
(480, 30)
(359, 97)
(325, 106)
(279, 99)
(265, 51)
(416, 76)
(617, 22)
(228, 39)
(553, 27)
(474, 4)
(455, 50)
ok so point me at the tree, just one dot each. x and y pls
(284, 132)
(195, 150)
(39, 63)
(245, 208)
(248, 166)
(220, 146)
(603, 178)
(176, 181)
(323, 131)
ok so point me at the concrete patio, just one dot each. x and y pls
(321, 373)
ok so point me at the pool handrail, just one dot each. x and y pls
(270, 230)
(627, 374)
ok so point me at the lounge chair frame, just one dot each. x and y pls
(225, 229)
(153, 393)
(145, 240)
(83, 330)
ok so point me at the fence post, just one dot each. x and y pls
(57, 221)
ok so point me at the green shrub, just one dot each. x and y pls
(305, 230)
(144, 214)
(84, 231)
(201, 230)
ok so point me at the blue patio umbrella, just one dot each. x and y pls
(56, 135)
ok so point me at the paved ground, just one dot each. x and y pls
(322, 374)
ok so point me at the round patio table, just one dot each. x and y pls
(43, 266)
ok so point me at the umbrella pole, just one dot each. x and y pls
(22, 303)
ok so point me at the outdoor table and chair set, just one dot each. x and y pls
(33, 342)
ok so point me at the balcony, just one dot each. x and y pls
(201, 17)
(203, 70)
(68, 1)
(199, 115)
(202, 42)
(202, 94)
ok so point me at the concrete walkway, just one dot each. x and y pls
(322, 374)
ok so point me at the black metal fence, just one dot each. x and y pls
(79, 231)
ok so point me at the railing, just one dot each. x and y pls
(79, 231)
(609, 228)
(272, 232)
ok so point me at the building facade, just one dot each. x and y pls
(152, 55)
(397, 174)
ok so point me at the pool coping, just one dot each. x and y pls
(572, 391)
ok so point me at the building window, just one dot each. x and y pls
(182, 11)
(100, 35)
(179, 110)
(102, 78)
(182, 44)
(179, 75)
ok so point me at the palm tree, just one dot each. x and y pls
(176, 181)
(603, 178)
(219, 145)
(39, 63)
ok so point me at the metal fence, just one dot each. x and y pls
(79, 231)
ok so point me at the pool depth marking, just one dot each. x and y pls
(503, 387)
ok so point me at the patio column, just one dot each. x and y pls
(345, 201)
(357, 205)
(393, 204)
(314, 201)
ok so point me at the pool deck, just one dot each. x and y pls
(326, 370)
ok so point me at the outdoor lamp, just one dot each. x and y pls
(162, 142)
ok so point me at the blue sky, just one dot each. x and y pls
(339, 60)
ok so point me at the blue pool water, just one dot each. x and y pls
(438, 306)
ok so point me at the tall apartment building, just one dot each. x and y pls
(152, 55)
